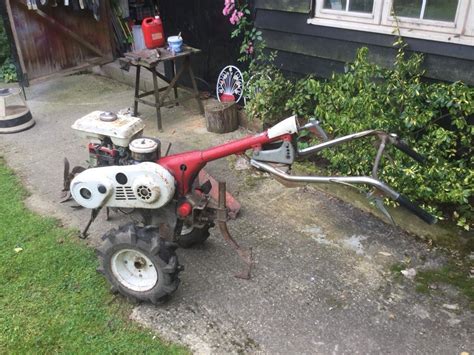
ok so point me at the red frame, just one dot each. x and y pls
(186, 166)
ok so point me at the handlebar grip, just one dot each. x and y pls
(415, 209)
(405, 148)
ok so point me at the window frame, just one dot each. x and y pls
(460, 31)
(456, 27)
(352, 16)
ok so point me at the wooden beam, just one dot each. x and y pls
(67, 31)
(69, 71)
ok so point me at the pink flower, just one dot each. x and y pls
(229, 5)
(236, 16)
(234, 19)
(227, 9)
(250, 48)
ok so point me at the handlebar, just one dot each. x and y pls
(313, 126)
(379, 185)
(415, 209)
(405, 148)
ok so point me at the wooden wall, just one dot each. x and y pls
(309, 49)
(202, 26)
(54, 39)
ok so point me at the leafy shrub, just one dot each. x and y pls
(4, 44)
(435, 119)
(7, 68)
(8, 72)
(267, 91)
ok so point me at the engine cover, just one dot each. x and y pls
(145, 185)
(121, 130)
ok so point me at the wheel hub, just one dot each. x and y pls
(134, 270)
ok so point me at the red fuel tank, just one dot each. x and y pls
(153, 33)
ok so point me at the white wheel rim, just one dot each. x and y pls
(230, 81)
(134, 270)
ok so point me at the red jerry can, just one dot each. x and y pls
(153, 33)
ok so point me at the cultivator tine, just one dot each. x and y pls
(65, 174)
(65, 196)
(67, 178)
(94, 214)
(244, 254)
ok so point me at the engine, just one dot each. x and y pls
(116, 139)
(144, 185)
(123, 172)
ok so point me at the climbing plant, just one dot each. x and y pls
(240, 16)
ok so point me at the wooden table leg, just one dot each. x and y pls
(172, 84)
(157, 100)
(137, 91)
(173, 73)
(193, 81)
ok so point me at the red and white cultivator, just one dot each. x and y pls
(128, 172)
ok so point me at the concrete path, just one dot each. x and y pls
(322, 281)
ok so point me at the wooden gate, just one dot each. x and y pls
(59, 39)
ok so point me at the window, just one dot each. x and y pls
(433, 10)
(364, 6)
(439, 20)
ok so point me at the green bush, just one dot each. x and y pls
(8, 72)
(7, 68)
(267, 90)
(4, 44)
(432, 118)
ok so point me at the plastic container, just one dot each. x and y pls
(153, 33)
(138, 40)
(175, 43)
(226, 97)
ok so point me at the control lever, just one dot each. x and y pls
(314, 127)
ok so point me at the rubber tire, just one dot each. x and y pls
(195, 237)
(147, 241)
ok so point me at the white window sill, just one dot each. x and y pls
(384, 29)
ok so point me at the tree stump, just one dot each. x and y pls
(221, 117)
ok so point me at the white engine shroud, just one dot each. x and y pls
(145, 185)
(121, 131)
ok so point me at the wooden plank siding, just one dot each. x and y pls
(55, 39)
(309, 49)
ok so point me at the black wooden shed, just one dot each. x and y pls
(320, 36)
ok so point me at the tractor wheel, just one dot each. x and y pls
(139, 264)
(191, 236)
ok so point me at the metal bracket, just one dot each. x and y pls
(124, 64)
(284, 154)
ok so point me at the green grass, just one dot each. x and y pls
(51, 298)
